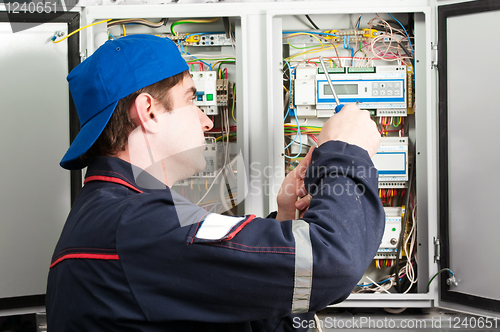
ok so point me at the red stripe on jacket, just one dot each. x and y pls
(111, 179)
(85, 256)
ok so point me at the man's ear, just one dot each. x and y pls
(143, 111)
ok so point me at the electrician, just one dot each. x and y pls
(133, 256)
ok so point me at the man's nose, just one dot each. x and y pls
(206, 123)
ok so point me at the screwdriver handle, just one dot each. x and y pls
(338, 108)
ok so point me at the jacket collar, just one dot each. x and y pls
(116, 170)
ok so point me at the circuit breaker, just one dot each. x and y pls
(206, 91)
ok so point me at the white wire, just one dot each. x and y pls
(378, 286)
(410, 272)
(227, 129)
(318, 323)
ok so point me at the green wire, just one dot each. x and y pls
(220, 64)
(437, 273)
(219, 59)
(224, 136)
(234, 97)
(366, 56)
(394, 122)
(302, 48)
(177, 23)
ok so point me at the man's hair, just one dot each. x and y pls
(114, 137)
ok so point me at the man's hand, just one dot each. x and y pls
(353, 126)
(292, 189)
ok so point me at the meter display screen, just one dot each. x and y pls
(341, 89)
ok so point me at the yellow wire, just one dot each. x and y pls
(310, 51)
(234, 98)
(194, 21)
(134, 20)
(71, 34)
(124, 33)
(303, 33)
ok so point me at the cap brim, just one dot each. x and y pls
(87, 136)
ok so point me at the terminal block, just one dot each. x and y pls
(222, 92)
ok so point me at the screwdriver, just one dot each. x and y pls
(339, 105)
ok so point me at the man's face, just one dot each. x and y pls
(178, 142)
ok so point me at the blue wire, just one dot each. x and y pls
(300, 139)
(295, 115)
(181, 47)
(209, 66)
(409, 41)
(310, 32)
(380, 282)
(359, 20)
(111, 36)
(346, 46)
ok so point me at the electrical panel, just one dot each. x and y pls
(372, 66)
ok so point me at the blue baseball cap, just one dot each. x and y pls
(115, 70)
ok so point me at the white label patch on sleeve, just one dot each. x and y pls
(216, 226)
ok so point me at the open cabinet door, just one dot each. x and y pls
(469, 158)
(38, 121)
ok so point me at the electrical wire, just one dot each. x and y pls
(301, 34)
(77, 30)
(311, 32)
(234, 98)
(190, 21)
(312, 22)
(437, 273)
(206, 64)
(409, 41)
(141, 21)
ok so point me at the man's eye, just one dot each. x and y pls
(192, 100)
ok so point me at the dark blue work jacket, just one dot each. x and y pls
(129, 259)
